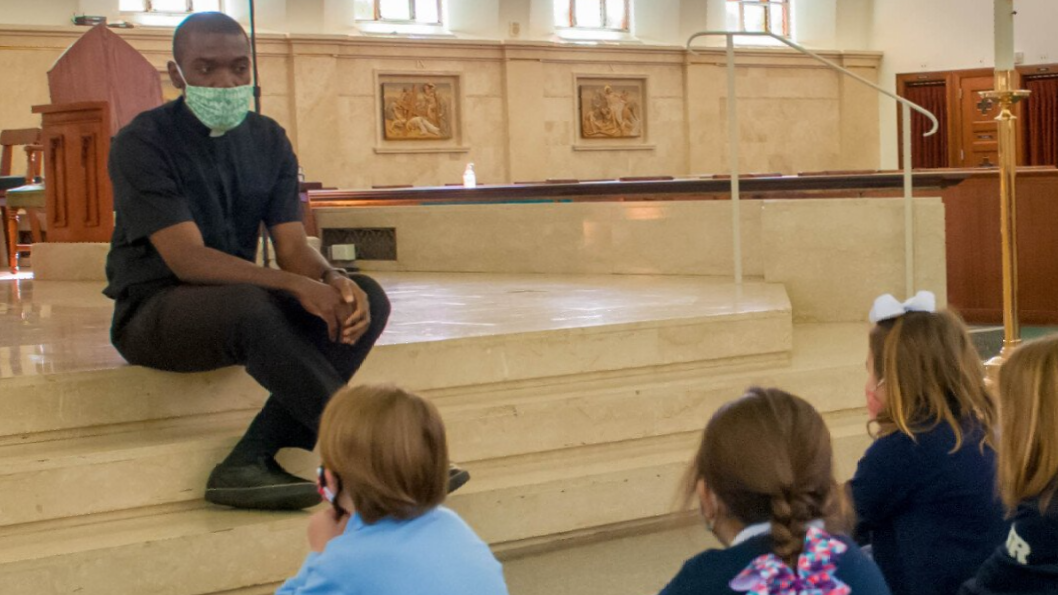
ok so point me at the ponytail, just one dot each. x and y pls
(783, 476)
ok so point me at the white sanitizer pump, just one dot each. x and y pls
(469, 179)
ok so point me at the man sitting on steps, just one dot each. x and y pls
(194, 180)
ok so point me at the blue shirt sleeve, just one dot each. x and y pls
(311, 580)
(886, 477)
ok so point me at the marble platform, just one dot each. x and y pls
(575, 401)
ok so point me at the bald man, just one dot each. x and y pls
(194, 180)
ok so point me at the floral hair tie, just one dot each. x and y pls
(769, 575)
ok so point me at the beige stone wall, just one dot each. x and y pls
(519, 106)
(834, 256)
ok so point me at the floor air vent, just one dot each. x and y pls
(372, 243)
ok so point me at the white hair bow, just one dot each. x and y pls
(887, 306)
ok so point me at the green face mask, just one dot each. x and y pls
(219, 109)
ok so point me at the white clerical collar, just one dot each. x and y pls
(765, 528)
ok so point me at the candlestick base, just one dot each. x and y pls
(993, 365)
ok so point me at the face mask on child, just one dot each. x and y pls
(874, 403)
(218, 108)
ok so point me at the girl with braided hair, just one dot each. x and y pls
(925, 491)
(764, 481)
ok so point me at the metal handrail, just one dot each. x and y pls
(918, 108)
(733, 139)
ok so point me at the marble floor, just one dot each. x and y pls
(51, 327)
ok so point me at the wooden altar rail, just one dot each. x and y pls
(971, 199)
(812, 185)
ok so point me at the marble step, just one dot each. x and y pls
(637, 561)
(196, 549)
(634, 560)
(490, 421)
(167, 462)
(108, 553)
(826, 365)
(73, 401)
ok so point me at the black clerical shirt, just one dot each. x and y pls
(167, 169)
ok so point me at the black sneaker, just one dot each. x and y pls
(457, 478)
(262, 485)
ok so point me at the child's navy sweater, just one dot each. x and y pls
(709, 572)
(931, 516)
(1027, 563)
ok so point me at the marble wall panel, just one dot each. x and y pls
(318, 117)
(322, 90)
(860, 131)
(662, 238)
(26, 84)
(357, 78)
(836, 256)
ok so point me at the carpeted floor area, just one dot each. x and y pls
(989, 339)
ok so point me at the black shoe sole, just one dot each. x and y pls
(280, 497)
(458, 480)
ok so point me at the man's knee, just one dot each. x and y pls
(254, 308)
(376, 297)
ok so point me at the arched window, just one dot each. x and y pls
(174, 7)
(755, 16)
(604, 15)
(412, 12)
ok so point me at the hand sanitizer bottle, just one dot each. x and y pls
(469, 179)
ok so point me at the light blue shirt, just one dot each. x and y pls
(434, 554)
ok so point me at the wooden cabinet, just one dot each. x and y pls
(76, 142)
(98, 86)
(971, 211)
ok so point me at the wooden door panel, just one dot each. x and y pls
(979, 146)
(78, 190)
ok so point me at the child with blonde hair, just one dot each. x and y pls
(764, 482)
(385, 472)
(924, 492)
(1027, 454)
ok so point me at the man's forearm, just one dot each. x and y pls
(206, 266)
(303, 260)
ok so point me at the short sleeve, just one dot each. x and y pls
(885, 478)
(284, 204)
(312, 580)
(147, 198)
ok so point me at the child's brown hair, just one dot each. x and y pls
(1027, 454)
(932, 375)
(388, 448)
(767, 457)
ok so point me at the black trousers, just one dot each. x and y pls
(195, 328)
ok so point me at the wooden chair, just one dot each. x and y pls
(29, 140)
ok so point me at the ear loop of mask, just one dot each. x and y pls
(325, 491)
(716, 507)
(710, 523)
(182, 77)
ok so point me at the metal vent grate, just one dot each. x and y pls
(372, 243)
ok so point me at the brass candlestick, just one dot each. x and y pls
(1006, 96)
